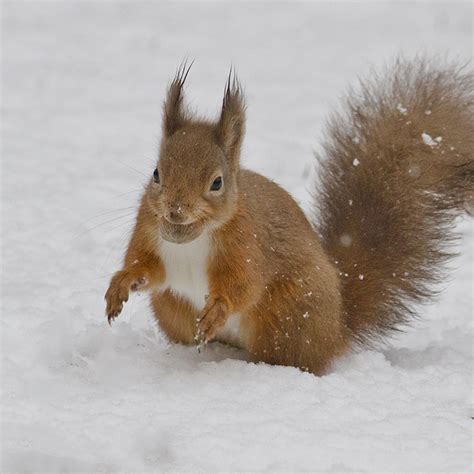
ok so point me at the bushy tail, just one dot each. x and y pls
(397, 167)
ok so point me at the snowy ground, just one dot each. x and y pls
(82, 89)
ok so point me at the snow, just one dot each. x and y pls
(346, 240)
(430, 141)
(402, 109)
(82, 86)
(414, 171)
(427, 139)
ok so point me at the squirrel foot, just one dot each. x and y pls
(211, 319)
(122, 283)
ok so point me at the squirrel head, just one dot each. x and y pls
(194, 186)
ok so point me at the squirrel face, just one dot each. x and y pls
(194, 186)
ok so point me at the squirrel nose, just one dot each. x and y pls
(175, 216)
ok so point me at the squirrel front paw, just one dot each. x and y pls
(211, 319)
(120, 286)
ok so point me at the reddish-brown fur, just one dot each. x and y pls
(404, 193)
(304, 298)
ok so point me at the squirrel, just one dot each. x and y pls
(228, 255)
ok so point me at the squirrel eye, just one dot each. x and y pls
(216, 184)
(156, 176)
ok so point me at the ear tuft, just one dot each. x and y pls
(230, 128)
(174, 113)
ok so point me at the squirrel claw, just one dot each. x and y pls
(111, 317)
(201, 342)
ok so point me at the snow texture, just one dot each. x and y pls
(82, 89)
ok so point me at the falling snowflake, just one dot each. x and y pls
(401, 109)
(346, 240)
(428, 140)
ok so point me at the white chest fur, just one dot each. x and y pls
(186, 275)
(186, 268)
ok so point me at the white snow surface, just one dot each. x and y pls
(82, 86)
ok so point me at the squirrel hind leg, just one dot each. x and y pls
(309, 335)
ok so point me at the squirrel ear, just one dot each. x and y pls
(230, 128)
(174, 113)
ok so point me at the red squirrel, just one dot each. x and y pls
(228, 255)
